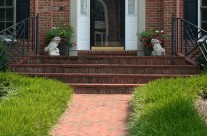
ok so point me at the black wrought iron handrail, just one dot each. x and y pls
(189, 40)
(19, 40)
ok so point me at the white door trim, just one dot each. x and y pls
(131, 24)
(82, 26)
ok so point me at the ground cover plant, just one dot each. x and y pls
(30, 106)
(167, 108)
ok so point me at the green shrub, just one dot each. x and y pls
(166, 108)
(35, 106)
(63, 31)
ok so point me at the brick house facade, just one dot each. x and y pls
(150, 13)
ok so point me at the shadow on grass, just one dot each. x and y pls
(175, 118)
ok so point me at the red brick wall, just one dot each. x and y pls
(158, 15)
(181, 8)
(50, 13)
(154, 14)
(58, 14)
(169, 10)
(32, 3)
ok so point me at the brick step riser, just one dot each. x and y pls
(104, 79)
(111, 70)
(108, 54)
(106, 90)
(112, 53)
(109, 61)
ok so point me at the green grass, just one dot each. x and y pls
(167, 108)
(32, 106)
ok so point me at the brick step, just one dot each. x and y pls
(105, 68)
(105, 78)
(103, 88)
(107, 52)
(135, 60)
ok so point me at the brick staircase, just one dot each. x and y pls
(105, 74)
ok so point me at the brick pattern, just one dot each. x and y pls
(106, 68)
(50, 13)
(105, 78)
(94, 115)
(32, 9)
(102, 90)
(154, 14)
(104, 73)
(168, 12)
(60, 11)
(114, 53)
(106, 59)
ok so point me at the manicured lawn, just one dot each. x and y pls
(167, 108)
(30, 106)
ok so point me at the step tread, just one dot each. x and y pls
(105, 75)
(99, 65)
(106, 56)
(103, 85)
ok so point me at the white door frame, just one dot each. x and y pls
(80, 20)
(83, 25)
(131, 24)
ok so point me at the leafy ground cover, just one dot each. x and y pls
(30, 106)
(167, 108)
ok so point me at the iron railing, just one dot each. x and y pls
(19, 40)
(189, 40)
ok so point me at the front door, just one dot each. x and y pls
(107, 23)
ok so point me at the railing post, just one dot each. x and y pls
(33, 32)
(172, 36)
(37, 35)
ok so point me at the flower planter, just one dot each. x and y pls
(147, 36)
(148, 51)
(64, 49)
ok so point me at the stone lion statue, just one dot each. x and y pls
(52, 47)
(157, 48)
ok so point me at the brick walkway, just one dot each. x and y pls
(95, 115)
